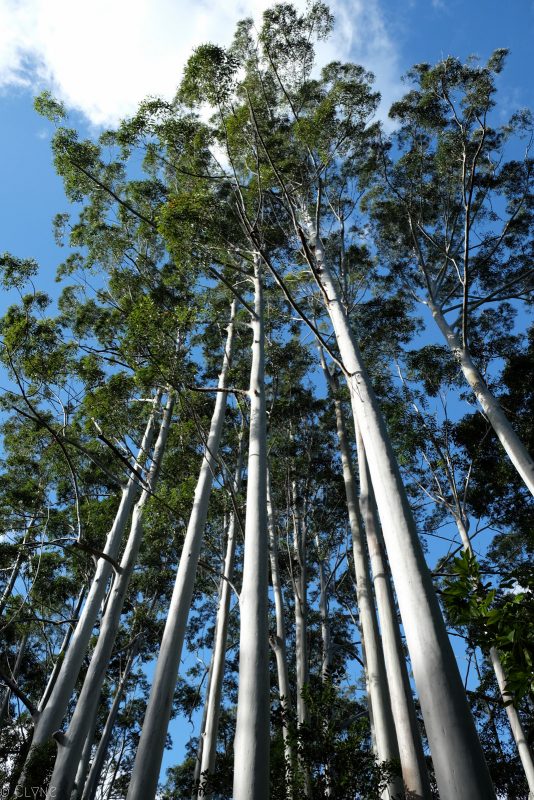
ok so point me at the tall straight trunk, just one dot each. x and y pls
(53, 705)
(518, 733)
(251, 746)
(514, 447)
(461, 771)
(91, 784)
(300, 590)
(412, 757)
(379, 698)
(82, 723)
(279, 640)
(4, 707)
(147, 765)
(384, 733)
(214, 694)
(326, 660)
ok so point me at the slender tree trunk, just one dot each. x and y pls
(4, 707)
(64, 645)
(251, 746)
(144, 780)
(278, 641)
(412, 757)
(6, 594)
(326, 660)
(518, 733)
(51, 713)
(449, 724)
(214, 694)
(91, 785)
(83, 764)
(380, 702)
(300, 589)
(514, 447)
(81, 726)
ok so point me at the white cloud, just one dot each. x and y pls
(102, 57)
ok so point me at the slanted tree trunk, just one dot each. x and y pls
(251, 746)
(4, 707)
(518, 733)
(412, 757)
(91, 784)
(380, 704)
(449, 724)
(214, 693)
(278, 641)
(81, 726)
(147, 765)
(514, 447)
(379, 699)
(6, 594)
(54, 703)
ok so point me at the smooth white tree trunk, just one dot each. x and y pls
(252, 737)
(91, 784)
(326, 660)
(461, 771)
(54, 703)
(278, 641)
(144, 780)
(379, 699)
(300, 591)
(81, 726)
(412, 757)
(516, 728)
(514, 447)
(214, 693)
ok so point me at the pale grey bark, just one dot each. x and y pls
(516, 727)
(460, 768)
(64, 646)
(278, 641)
(326, 660)
(514, 447)
(300, 591)
(91, 784)
(379, 699)
(251, 746)
(215, 685)
(81, 726)
(412, 757)
(144, 780)
(53, 705)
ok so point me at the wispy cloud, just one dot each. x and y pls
(102, 58)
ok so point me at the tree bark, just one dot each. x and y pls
(461, 770)
(412, 757)
(54, 703)
(91, 784)
(379, 698)
(147, 765)
(278, 641)
(251, 746)
(214, 694)
(81, 726)
(514, 447)
(518, 733)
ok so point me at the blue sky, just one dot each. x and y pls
(103, 58)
